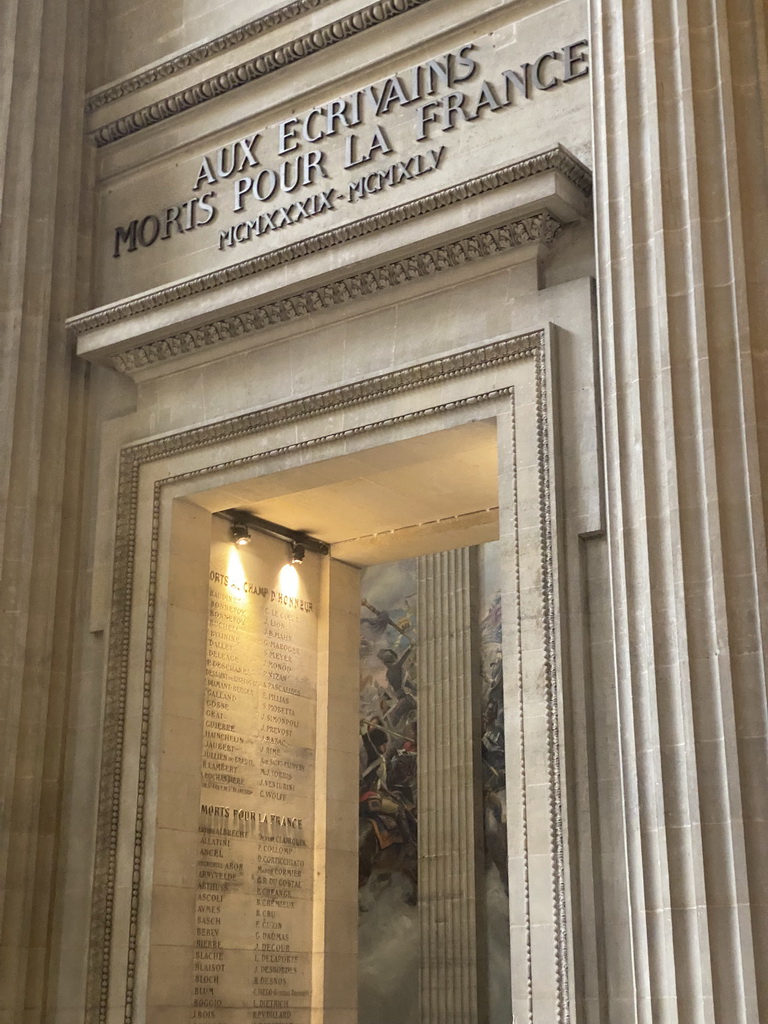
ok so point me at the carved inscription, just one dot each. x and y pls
(351, 147)
(254, 870)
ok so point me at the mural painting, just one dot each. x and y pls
(388, 959)
(494, 786)
(388, 962)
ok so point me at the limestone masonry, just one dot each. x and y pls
(384, 405)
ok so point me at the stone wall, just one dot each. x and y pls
(649, 863)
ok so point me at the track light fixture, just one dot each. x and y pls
(240, 534)
(297, 553)
(243, 523)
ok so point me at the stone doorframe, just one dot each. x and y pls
(510, 379)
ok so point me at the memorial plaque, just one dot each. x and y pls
(244, 185)
(253, 905)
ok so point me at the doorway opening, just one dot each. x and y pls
(391, 748)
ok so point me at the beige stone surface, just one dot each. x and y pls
(245, 826)
(636, 834)
(680, 328)
(449, 786)
(140, 186)
(138, 33)
(42, 53)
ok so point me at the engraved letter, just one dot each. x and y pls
(574, 54)
(126, 235)
(286, 136)
(205, 172)
(537, 71)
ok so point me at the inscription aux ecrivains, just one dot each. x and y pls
(349, 135)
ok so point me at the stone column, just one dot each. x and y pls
(42, 55)
(680, 170)
(450, 840)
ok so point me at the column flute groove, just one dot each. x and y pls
(448, 766)
(686, 520)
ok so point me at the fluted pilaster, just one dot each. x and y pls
(675, 165)
(42, 51)
(449, 798)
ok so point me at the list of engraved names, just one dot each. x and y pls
(253, 906)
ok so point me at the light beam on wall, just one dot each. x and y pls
(288, 581)
(236, 574)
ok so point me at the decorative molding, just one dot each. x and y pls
(252, 70)
(132, 459)
(557, 842)
(520, 708)
(557, 159)
(163, 70)
(541, 227)
(525, 852)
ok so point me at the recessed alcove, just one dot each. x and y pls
(425, 462)
(420, 494)
(261, 705)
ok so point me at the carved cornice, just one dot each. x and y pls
(540, 227)
(252, 70)
(197, 54)
(557, 159)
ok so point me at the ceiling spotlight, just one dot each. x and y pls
(240, 534)
(297, 553)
